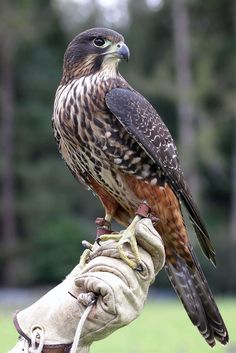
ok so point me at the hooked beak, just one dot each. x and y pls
(123, 51)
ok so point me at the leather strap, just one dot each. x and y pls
(48, 348)
(143, 209)
(52, 349)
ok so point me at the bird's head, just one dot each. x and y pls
(94, 50)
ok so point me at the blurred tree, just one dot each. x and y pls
(8, 231)
(213, 69)
(12, 27)
(56, 249)
(185, 93)
(21, 25)
(232, 228)
(46, 201)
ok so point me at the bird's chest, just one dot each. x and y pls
(81, 126)
(94, 143)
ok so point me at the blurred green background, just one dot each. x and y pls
(162, 327)
(182, 60)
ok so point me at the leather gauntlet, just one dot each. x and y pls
(117, 292)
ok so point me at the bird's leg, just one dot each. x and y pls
(124, 238)
(127, 237)
(85, 256)
(104, 225)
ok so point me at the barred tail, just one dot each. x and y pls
(191, 286)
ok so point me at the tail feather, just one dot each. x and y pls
(191, 286)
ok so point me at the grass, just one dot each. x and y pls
(163, 327)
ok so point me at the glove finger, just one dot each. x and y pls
(150, 240)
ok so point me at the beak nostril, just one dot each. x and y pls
(122, 51)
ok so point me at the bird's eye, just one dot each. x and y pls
(99, 42)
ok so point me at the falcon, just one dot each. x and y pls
(115, 143)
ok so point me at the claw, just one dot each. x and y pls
(98, 241)
(139, 268)
(87, 245)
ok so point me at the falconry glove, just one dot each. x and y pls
(115, 292)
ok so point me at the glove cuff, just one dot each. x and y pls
(47, 348)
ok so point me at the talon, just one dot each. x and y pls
(139, 268)
(87, 245)
(98, 241)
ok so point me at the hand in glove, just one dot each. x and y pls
(117, 292)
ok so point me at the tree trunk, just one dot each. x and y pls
(185, 104)
(232, 223)
(232, 230)
(8, 219)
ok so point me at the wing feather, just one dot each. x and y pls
(143, 123)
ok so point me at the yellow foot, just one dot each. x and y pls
(124, 238)
(85, 256)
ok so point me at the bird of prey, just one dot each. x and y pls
(114, 142)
